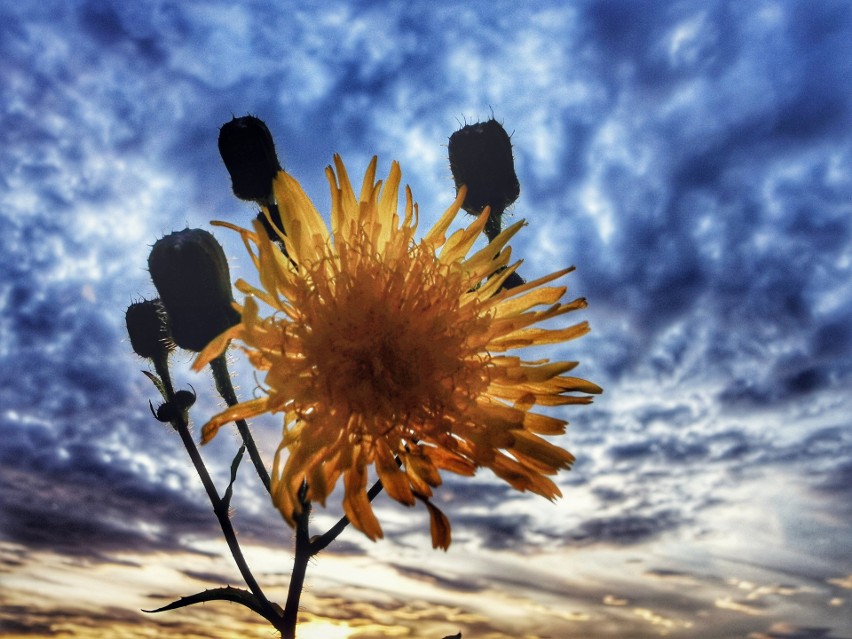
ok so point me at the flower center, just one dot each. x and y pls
(389, 340)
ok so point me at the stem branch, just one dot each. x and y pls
(221, 512)
(300, 566)
(333, 533)
(226, 390)
(220, 508)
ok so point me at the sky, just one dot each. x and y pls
(692, 159)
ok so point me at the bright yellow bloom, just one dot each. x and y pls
(390, 352)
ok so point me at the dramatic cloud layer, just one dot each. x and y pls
(692, 159)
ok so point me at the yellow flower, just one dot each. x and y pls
(395, 353)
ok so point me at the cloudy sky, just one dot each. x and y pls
(692, 159)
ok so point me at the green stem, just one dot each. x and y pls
(226, 389)
(161, 366)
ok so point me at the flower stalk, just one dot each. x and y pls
(180, 422)
(225, 388)
(221, 510)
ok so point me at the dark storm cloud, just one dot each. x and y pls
(17, 621)
(209, 577)
(838, 480)
(673, 450)
(42, 622)
(78, 490)
(625, 529)
(823, 455)
(458, 584)
(497, 531)
(788, 631)
(76, 371)
(80, 498)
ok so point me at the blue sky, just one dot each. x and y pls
(691, 159)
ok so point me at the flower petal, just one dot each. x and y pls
(393, 479)
(439, 527)
(239, 411)
(356, 506)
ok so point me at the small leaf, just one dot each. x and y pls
(226, 593)
(458, 636)
(156, 381)
(226, 499)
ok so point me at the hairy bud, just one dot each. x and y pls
(191, 274)
(248, 151)
(148, 328)
(481, 158)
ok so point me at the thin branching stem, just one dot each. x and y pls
(303, 554)
(333, 533)
(222, 378)
(305, 549)
(220, 509)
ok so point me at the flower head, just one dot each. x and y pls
(387, 351)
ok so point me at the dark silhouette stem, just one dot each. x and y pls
(220, 508)
(226, 389)
(493, 225)
(333, 533)
(300, 567)
(305, 549)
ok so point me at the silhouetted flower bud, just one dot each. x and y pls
(184, 399)
(148, 328)
(248, 152)
(191, 274)
(481, 158)
(170, 411)
(165, 412)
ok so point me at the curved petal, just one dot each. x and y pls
(239, 411)
(356, 505)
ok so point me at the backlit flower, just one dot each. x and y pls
(388, 351)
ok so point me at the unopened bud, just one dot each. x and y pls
(248, 151)
(164, 412)
(191, 274)
(184, 399)
(148, 328)
(481, 158)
